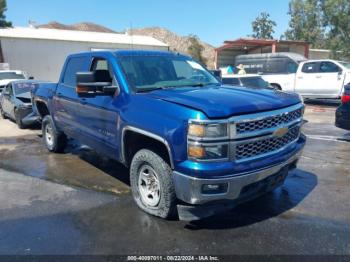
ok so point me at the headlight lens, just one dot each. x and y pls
(208, 152)
(208, 130)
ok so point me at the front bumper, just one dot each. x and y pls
(190, 189)
(27, 116)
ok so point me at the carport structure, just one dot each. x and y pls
(225, 55)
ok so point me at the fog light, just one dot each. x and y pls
(214, 188)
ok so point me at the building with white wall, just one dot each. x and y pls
(41, 52)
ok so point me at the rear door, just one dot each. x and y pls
(306, 79)
(66, 102)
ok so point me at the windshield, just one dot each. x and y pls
(346, 64)
(149, 72)
(11, 75)
(21, 88)
(254, 82)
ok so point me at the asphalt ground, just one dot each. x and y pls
(80, 203)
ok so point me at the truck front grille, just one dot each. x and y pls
(256, 148)
(268, 122)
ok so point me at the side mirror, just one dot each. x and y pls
(31, 78)
(87, 86)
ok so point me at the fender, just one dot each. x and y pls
(148, 134)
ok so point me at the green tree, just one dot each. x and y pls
(195, 49)
(306, 22)
(3, 8)
(263, 27)
(336, 15)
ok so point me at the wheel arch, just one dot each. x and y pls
(134, 139)
(42, 108)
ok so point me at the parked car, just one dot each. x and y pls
(291, 72)
(193, 147)
(16, 103)
(248, 80)
(342, 115)
(6, 76)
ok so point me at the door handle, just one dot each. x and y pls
(83, 101)
(318, 76)
(300, 77)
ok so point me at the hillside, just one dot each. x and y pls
(91, 27)
(175, 41)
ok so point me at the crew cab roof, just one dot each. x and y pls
(129, 52)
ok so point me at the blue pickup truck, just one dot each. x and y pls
(192, 145)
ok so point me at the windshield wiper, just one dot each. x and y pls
(204, 84)
(145, 90)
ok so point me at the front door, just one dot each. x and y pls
(8, 101)
(100, 114)
(306, 79)
(330, 79)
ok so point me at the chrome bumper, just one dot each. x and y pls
(189, 189)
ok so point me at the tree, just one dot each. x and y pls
(306, 22)
(336, 15)
(195, 49)
(263, 27)
(3, 8)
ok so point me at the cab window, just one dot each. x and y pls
(329, 67)
(74, 65)
(102, 69)
(311, 67)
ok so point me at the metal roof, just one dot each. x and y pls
(78, 36)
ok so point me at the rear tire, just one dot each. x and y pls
(55, 141)
(152, 185)
(3, 115)
(18, 120)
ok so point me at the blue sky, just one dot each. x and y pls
(213, 21)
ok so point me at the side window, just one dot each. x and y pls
(6, 89)
(329, 67)
(103, 71)
(74, 65)
(275, 66)
(292, 67)
(310, 67)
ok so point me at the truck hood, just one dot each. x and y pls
(4, 82)
(223, 102)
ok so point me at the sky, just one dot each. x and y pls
(213, 21)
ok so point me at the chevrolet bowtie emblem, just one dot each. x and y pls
(280, 132)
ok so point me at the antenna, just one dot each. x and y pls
(132, 36)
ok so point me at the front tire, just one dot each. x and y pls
(18, 120)
(151, 184)
(3, 115)
(55, 141)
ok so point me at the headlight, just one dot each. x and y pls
(203, 130)
(207, 152)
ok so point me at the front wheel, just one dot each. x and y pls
(55, 141)
(18, 120)
(3, 115)
(151, 184)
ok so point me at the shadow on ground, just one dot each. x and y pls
(297, 187)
